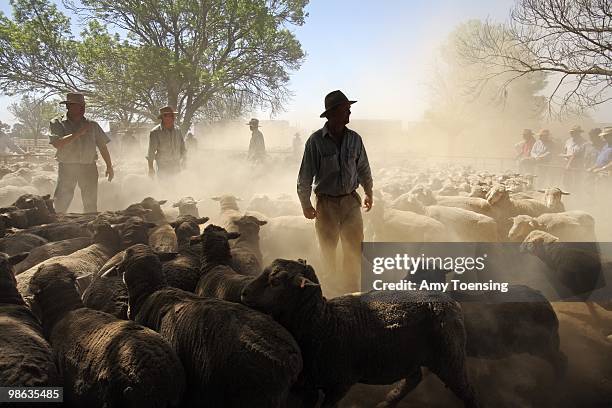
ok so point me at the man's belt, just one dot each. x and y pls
(323, 195)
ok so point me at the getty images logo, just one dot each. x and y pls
(413, 264)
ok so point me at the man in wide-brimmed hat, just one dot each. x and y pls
(76, 139)
(166, 145)
(257, 146)
(335, 160)
(604, 158)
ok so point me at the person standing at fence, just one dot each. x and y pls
(76, 139)
(573, 153)
(524, 148)
(593, 147)
(166, 145)
(336, 160)
(604, 158)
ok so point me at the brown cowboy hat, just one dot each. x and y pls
(166, 109)
(74, 97)
(253, 122)
(334, 99)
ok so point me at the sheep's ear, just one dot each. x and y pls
(302, 261)
(262, 222)
(233, 235)
(195, 240)
(202, 220)
(215, 198)
(15, 259)
(541, 191)
(564, 192)
(46, 196)
(303, 282)
(162, 202)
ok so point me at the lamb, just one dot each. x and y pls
(156, 215)
(9, 193)
(504, 206)
(41, 208)
(163, 239)
(217, 278)
(520, 320)
(569, 226)
(51, 249)
(246, 253)
(340, 349)
(214, 339)
(85, 262)
(104, 361)
(26, 359)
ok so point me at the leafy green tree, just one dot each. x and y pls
(33, 116)
(134, 56)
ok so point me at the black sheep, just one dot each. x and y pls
(107, 292)
(26, 359)
(183, 271)
(217, 277)
(105, 362)
(19, 242)
(233, 356)
(372, 338)
(520, 320)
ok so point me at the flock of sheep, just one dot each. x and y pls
(144, 306)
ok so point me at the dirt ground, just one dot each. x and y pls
(523, 380)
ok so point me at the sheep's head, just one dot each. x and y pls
(156, 215)
(187, 226)
(249, 225)
(104, 233)
(522, 225)
(535, 242)
(187, 206)
(552, 198)
(423, 194)
(134, 231)
(281, 286)
(479, 191)
(140, 266)
(497, 193)
(215, 239)
(227, 202)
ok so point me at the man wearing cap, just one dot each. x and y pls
(166, 145)
(257, 146)
(336, 160)
(604, 158)
(76, 139)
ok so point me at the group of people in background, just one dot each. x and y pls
(577, 157)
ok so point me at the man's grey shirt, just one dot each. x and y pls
(81, 150)
(334, 172)
(166, 144)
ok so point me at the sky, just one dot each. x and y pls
(378, 52)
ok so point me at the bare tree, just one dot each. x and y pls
(569, 40)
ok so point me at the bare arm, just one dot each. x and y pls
(60, 142)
